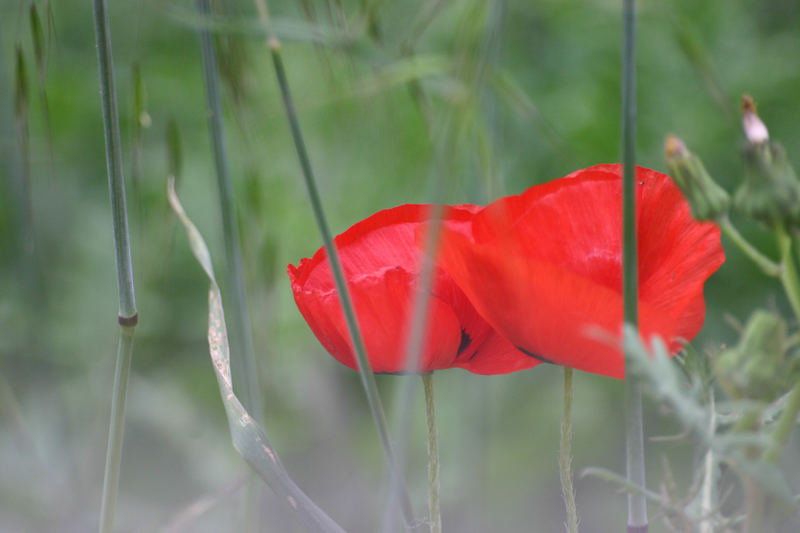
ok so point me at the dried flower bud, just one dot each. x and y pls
(758, 367)
(708, 200)
(754, 129)
(770, 191)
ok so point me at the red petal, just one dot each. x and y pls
(544, 267)
(382, 305)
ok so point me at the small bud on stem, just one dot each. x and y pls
(708, 200)
(770, 192)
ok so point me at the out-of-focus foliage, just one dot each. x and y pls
(531, 90)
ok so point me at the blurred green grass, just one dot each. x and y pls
(498, 435)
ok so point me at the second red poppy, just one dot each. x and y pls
(544, 267)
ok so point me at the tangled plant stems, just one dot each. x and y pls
(750, 371)
(127, 315)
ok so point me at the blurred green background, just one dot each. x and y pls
(532, 90)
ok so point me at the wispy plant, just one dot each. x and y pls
(127, 315)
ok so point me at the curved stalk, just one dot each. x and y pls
(767, 265)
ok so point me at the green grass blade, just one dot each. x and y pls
(248, 437)
(246, 367)
(127, 298)
(127, 316)
(635, 464)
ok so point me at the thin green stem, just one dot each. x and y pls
(248, 368)
(419, 324)
(789, 277)
(637, 503)
(434, 514)
(767, 265)
(565, 456)
(116, 183)
(708, 500)
(127, 315)
(629, 252)
(635, 468)
(116, 430)
(365, 369)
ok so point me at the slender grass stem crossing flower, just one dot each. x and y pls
(382, 267)
(544, 268)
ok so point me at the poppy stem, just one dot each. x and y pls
(435, 515)
(767, 265)
(634, 445)
(364, 367)
(565, 456)
(127, 314)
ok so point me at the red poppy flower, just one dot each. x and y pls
(382, 264)
(544, 268)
